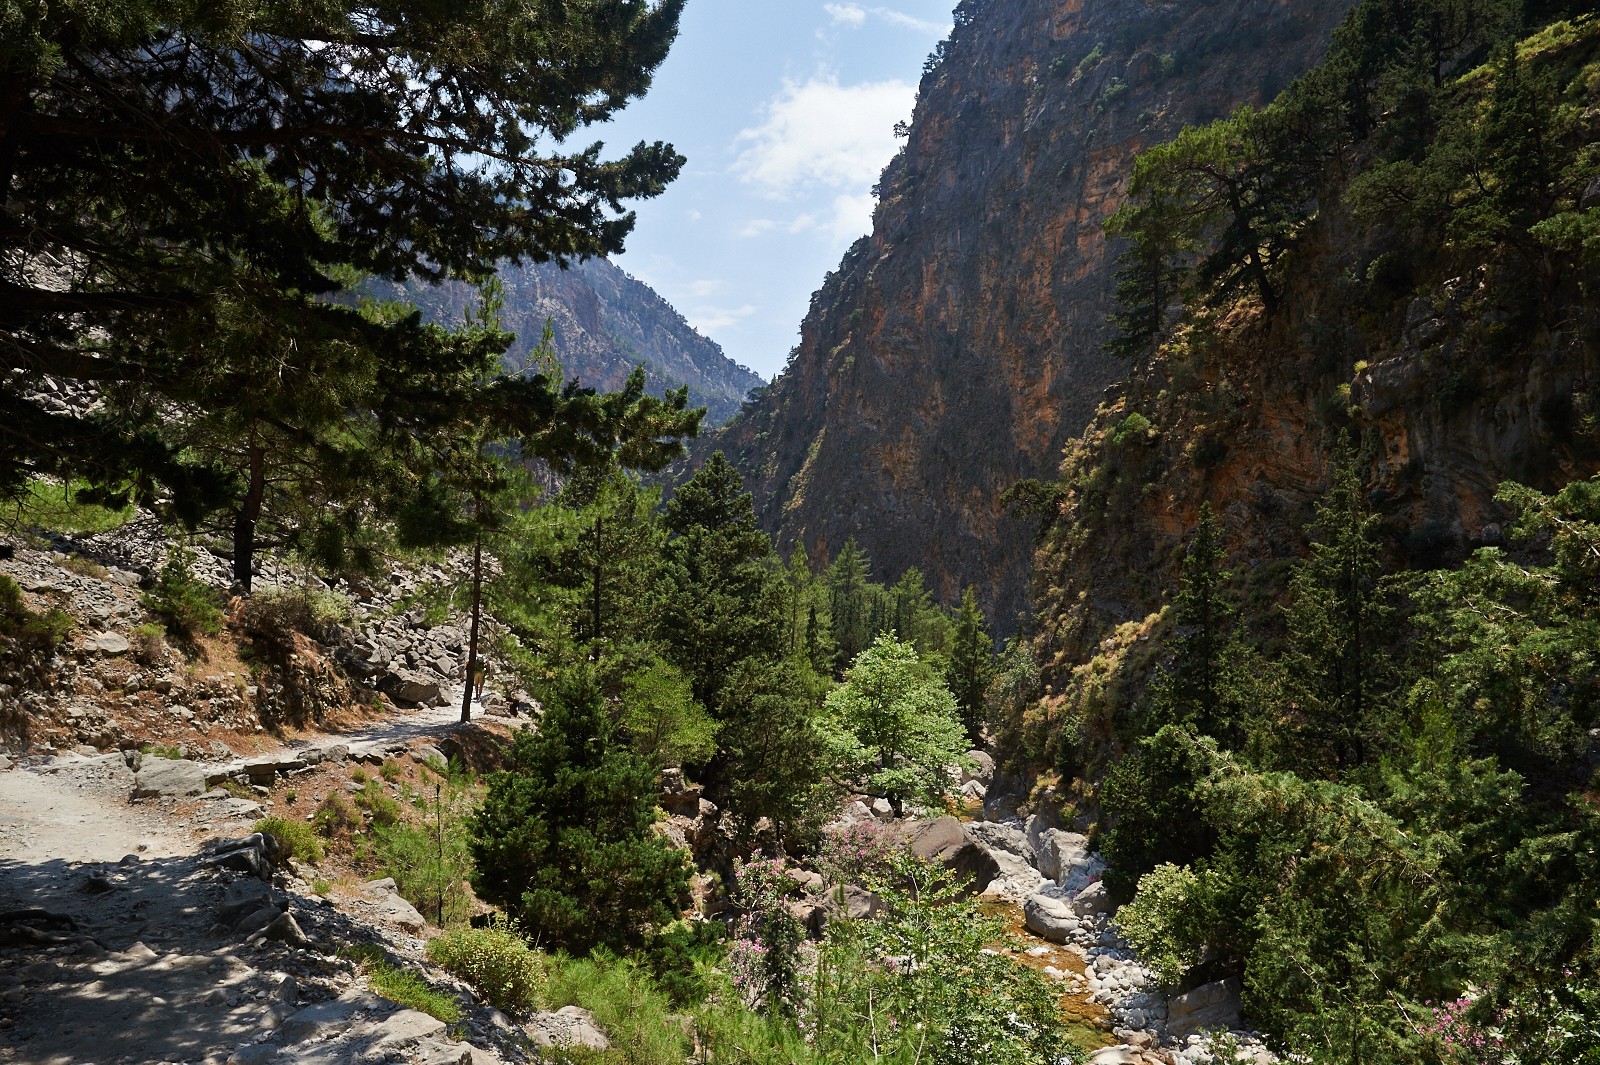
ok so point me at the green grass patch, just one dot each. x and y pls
(297, 838)
(161, 750)
(407, 988)
(68, 508)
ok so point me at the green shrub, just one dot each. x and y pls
(1131, 429)
(149, 644)
(30, 633)
(272, 618)
(295, 837)
(161, 750)
(495, 960)
(383, 808)
(185, 605)
(335, 817)
(390, 770)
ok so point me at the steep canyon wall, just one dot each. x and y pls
(958, 348)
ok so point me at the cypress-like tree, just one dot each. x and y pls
(723, 599)
(1337, 626)
(1194, 688)
(563, 839)
(850, 603)
(971, 665)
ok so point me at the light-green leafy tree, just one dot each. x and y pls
(894, 727)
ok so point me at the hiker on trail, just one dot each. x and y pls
(480, 673)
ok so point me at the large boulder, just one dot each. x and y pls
(176, 777)
(944, 841)
(410, 688)
(392, 908)
(1076, 865)
(1049, 918)
(1093, 901)
(1214, 1005)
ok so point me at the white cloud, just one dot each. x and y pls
(823, 134)
(922, 25)
(852, 217)
(758, 227)
(702, 289)
(852, 15)
(855, 16)
(710, 319)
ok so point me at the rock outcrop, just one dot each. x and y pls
(958, 348)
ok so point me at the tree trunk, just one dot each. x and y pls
(244, 522)
(472, 634)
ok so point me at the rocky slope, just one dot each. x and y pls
(1474, 366)
(603, 324)
(957, 349)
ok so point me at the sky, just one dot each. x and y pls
(786, 112)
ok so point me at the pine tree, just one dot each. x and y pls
(1337, 625)
(723, 592)
(563, 839)
(971, 666)
(177, 180)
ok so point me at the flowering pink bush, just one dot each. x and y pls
(1559, 1022)
(764, 958)
(853, 853)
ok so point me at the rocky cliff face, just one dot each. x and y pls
(604, 323)
(958, 348)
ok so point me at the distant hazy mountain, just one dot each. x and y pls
(603, 324)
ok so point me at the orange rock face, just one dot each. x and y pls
(958, 348)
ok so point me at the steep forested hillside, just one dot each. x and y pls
(958, 347)
(603, 323)
(1317, 622)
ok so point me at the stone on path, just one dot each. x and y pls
(107, 643)
(177, 777)
(392, 908)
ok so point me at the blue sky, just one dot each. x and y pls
(786, 112)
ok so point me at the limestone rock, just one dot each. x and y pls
(316, 1022)
(403, 1031)
(392, 908)
(176, 777)
(944, 840)
(411, 688)
(107, 643)
(569, 1026)
(1214, 1005)
(1092, 901)
(1049, 918)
